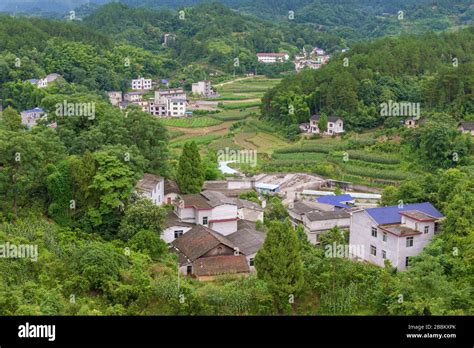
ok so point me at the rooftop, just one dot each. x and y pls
(330, 118)
(171, 187)
(391, 214)
(271, 54)
(467, 125)
(216, 198)
(243, 203)
(247, 238)
(148, 182)
(399, 230)
(222, 264)
(337, 201)
(418, 215)
(327, 215)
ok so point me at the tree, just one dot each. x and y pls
(279, 263)
(323, 123)
(389, 196)
(148, 242)
(275, 210)
(142, 215)
(10, 120)
(190, 176)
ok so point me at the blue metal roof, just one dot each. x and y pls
(336, 200)
(265, 186)
(34, 110)
(391, 214)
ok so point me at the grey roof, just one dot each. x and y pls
(216, 198)
(173, 220)
(301, 208)
(171, 187)
(244, 203)
(327, 215)
(467, 125)
(148, 182)
(247, 238)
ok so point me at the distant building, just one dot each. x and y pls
(335, 125)
(169, 39)
(412, 122)
(42, 83)
(318, 222)
(141, 84)
(393, 233)
(204, 89)
(169, 102)
(29, 118)
(115, 97)
(272, 57)
(467, 127)
(151, 186)
(267, 188)
(248, 210)
(133, 97)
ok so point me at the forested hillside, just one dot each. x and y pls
(433, 70)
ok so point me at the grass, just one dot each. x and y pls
(200, 140)
(190, 122)
(241, 105)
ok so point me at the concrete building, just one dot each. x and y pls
(393, 233)
(115, 97)
(335, 125)
(318, 222)
(151, 186)
(142, 84)
(29, 118)
(272, 57)
(204, 89)
(248, 210)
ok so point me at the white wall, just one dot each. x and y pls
(168, 233)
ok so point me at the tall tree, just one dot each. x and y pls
(190, 176)
(10, 120)
(279, 263)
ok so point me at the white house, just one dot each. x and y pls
(29, 118)
(248, 210)
(318, 222)
(209, 208)
(141, 84)
(335, 125)
(169, 102)
(393, 233)
(203, 88)
(272, 57)
(175, 227)
(152, 186)
(133, 97)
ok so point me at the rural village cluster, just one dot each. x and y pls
(215, 232)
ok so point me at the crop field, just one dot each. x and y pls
(190, 122)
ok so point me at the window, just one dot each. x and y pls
(409, 242)
(374, 232)
(407, 261)
(178, 233)
(373, 250)
(427, 229)
(384, 254)
(204, 220)
(251, 262)
(385, 236)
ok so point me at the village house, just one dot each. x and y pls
(298, 209)
(414, 122)
(318, 222)
(203, 89)
(248, 240)
(169, 102)
(43, 83)
(467, 127)
(248, 210)
(142, 84)
(172, 191)
(151, 186)
(133, 97)
(115, 97)
(313, 60)
(175, 227)
(29, 118)
(272, 57)
(206, 254)
(335, 125)
(393, 233)
(211, 209)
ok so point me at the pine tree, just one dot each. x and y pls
(279, 264)
(190, 177)
(10, 120)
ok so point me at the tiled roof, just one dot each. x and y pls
(300, 207)
(243, 203)
(222, 264)
(216, 198)
(247, 238)
(198, 241)
(391, 214)
(327, 215)
(336, 200)
(196, 200)
(418, 215)
(171, 187)
(148, 182)
(467, 125)
(173, 220)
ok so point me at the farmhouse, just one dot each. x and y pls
(318, 222)
(151, 186)
(43, 83)
(467, 127)
(169, 102)
(272, 57)
(393, 233)
(206, 254)
(29, 118)
(248, 210)
(414, 122)
(248, 240)
(172, 191)
(115, 97)
(335, 125)
(141, 83)
(204, 89)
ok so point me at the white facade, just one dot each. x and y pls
(249, 214)
(334, 126)
(29, 118)
(173, 232)
(152, 187)
(133, 97)
(203, 88)
(169, 102)
(272, 57)
(379, 243)
(314, 229)
(141, 83)
(115, 97)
